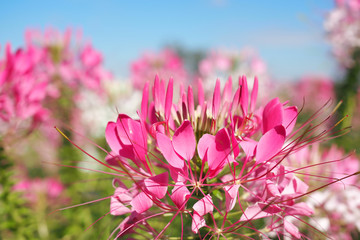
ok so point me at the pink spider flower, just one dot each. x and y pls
(314, 90)
(342, 25)
(215, 167)
(47, 190)
(165, 64)
(22, 90)
(33, 79)
(79, 66)
(336, 208)
(222, 63)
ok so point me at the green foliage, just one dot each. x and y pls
(81, 187)
(347, 92)
(17, 220)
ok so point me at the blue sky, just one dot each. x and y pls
(287, 34)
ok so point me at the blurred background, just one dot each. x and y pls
(289, 37)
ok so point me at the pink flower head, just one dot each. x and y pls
(222, 64)
(33, 78)
(206, 161)
(314, 90)
(342, 25)
(22, 88)
(166, 64)
(35, 189)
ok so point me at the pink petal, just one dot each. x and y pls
(111, 137)
(139, 141)
(144, 101)
(216, 99)
(113, 159)
(204, 205)
(117, 208)
(270, 144)
(296, 186)
(168, 100)
(184, 141)
(292, 229)
(248, 145)
(219, 151)
(157, 94)
(235, 145)
(179, 195)
(141, 203)
(197, 222)
(270, 208)
(272, 115)
(231, 195)
(179, 175)
(123, 129)
(123, 194)
(244, 95)
(272, 188)
(301, 209)
(167, 150)
(120, 196)
(130, 133)
(204, 144)
(157, 185)
(254, 94)
(254, 212)
(290, 116)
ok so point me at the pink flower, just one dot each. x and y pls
(224, 63)
(343, 26)
(315, 91)
(22, 89)
(208, 161)
(34, 190)
(166, 64)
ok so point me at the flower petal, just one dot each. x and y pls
(219, 151)
(169, 98)
(184, 141)
(117, 208)
(141, 203)
(254, 212)
(292, 229)
(167, 150)
(231, 196)
(272, 115)
(197, 222)
(111, 137)
(270, 144)
(157, 185)
(179, 194)
(204, 205)
(204, 144)
(289, 119)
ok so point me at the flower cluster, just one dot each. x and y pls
(23, 87)
(39, 190)
(221, 64)
(165, 64)
(38, 81)
(343, 28)
(216, 167)
(313, 92)
(33, 79)
(336, 208)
